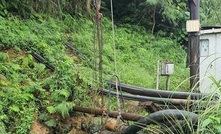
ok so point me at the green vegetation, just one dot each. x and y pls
(27, 87)
(26, 82)
(29, 90)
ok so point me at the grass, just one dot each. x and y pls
(37, 91)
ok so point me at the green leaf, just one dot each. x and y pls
(46, 102)
(3, 117)
(64, 108)
(2, 128)
(217, 127)
(27, 96)
(39, 67)
(4, 83)
(216, 119)
(51, 109)
(43, 116)
(215, 82)
(64, 92)
(15, 108)
(152, 2)
(51, 123)
(207, 122)
(61, 95)
(15, 66)
(3, 56)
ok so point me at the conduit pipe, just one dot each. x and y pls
(158, 93)
(153, 99)
(42, 60)
(159, 117)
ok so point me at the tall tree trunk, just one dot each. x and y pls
(154, 19)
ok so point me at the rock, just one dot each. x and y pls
(37, 128)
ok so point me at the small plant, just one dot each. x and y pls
(210, 120)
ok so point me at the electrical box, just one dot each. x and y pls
(210, 59)
(167, 68)
(204, 47)
(193, 26)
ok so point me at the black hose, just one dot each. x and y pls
(153, 99)
(178, 127)
(42, 60)
(77, 52)
(159, 117)
(159, 93)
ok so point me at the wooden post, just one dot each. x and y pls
(193, 48)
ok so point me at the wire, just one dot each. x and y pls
(109, 94)
(113, 37)
(115, 66)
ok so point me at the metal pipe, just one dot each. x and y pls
(158, 93)
(113, 114)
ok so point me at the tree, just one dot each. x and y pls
(165, 17)
(26, 8)
(210, 12)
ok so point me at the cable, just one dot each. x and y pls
(115, 67)
(109, 95)
(113, 37)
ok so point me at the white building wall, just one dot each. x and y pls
(210, 60)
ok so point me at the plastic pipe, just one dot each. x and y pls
(158, 93)
(159, 117)
(153, 99)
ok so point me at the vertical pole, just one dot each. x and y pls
(158, 74)
(167, 82)
(194, 47)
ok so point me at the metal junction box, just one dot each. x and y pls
(167, 68)
(210, 59)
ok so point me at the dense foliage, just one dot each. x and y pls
(30, 8)
(46, 93)
(164, 17)
(210, 13)
(29, 90)
(28, 87)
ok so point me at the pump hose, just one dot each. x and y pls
(159, 93)
(42, 60)
(179, 127)
(153, 99)
(162, 116)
